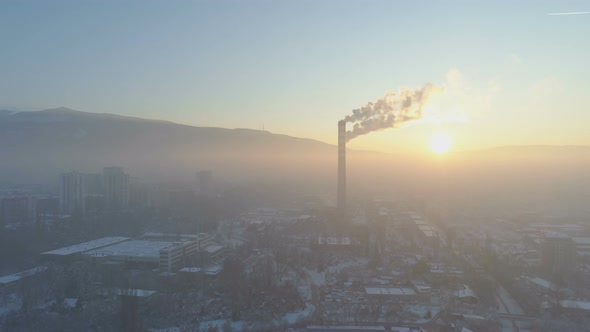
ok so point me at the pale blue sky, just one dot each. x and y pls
(299, 66)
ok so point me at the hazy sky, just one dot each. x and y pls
(514, 74)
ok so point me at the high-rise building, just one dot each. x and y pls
(72, 193)
(558, 253)
(116, 188)
(17, 210)
(47, 205)
(94, 193)
(93, 184)
(138, 193)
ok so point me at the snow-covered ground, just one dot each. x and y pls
(293, 317)
(219, 323)
(70, 302)
(359, 263)
(507, 304)
(10, 304)
(305, 292)
(165, 329)
(421, 310)
(318, 278)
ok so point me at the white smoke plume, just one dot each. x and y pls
(390, 111)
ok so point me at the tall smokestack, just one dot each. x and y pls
(342, 168)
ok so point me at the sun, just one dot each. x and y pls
(440, 143)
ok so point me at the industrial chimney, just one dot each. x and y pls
(341, 168)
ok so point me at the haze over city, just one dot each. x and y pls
(294, 166)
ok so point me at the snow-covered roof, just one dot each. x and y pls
(214, 249)
(344, 328)
(135, 292)
(86, 246)
(333, 240)
(133, 248)
(571, 304)
(20, 275)
(473, 317)
(464, 292)
(541, 282)
(396, 291)
(582, 240)
(556, 235)
(213, 270)
(71, 302)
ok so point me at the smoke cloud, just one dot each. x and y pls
(391, 111)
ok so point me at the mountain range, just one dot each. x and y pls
(37, 146)
(44, 143)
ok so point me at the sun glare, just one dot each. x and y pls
(440, 143)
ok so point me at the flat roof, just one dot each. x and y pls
(582, 240)
(333, 240)
(21, 275)
(556, 235)
(190, 269)
(214, 249)
(448, 272)
(181, 236)
(132, 248)
(421, 286)
(571, 304)
(541, 282)
(213, 270)
(135, 292)
(389, 291)
(344, 328)
(86, 246)
(464, 292)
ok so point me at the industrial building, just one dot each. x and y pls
(582, 246)
(427, 234)
(74, 251)
(558, 252)
(214, 251)
(392, 293)
(337, 243)
(324, 328)
(166, 252)
(10, 282)
(318, 328)
(465, 295)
